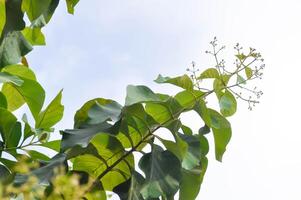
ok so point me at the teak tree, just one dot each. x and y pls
(97, 155)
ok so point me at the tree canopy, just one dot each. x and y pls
(98, 155)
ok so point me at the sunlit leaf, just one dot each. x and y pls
(209, 73)
(52, 114)
(34, 36)
(181, 81)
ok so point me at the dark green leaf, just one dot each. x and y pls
(82, 136)
(138, 94)
(12, 48)
(14, 17)
(130, 189)
(44, 173)
(161, 179)
(3, 101)
(7, 124)
(106, 108)
(13, 138)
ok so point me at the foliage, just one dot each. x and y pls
(98, 154)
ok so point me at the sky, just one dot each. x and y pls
(107, 45)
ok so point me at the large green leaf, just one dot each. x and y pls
(30, 92)
(187, 99)
(90, 112)
(138, 94)
(14, 16)
(83, 136)
(228, 104)
(7, 124)
(221, 131)
(52, 114)
(20, 71)
(70, 5)
(180, 81)
(191, 181)
(109, 151)
(161, 179)
(12, 48)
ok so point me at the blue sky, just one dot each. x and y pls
(107, 45)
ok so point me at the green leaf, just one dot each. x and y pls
(70, 5)
(4, 175)
(193, 152)
(241, 56)
(21, 71)
(187, 99)
(54, 145)
(249, 72)
(209, 73)
(30, 91)
(191, 181)
(82, 136)
(109, 151)
(39, 12)
(3, 101)
(12, 48)
(35, 8)
(181, 81)
(34, 36)
(14, 17)
(161, 179)
(228, 104)
(35, 155)
(13, 138)
(202, 110)
(222, 133)
(99, 113)
(52, 114)
(240, 80)
(88, 114)
(2, 15)
(139, 94)
(130, 189)
(8, 78)
(44, 173)
(7, 124)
